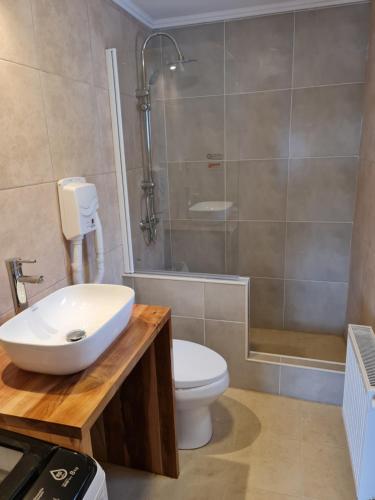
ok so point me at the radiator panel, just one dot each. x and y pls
(358, 411)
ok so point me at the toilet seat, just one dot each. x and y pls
(196, 365)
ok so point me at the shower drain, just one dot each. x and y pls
(75, 335)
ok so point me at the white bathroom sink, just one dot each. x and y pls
(37, 338)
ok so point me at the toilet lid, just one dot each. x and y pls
(196, 365)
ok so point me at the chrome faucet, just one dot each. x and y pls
(17, 282)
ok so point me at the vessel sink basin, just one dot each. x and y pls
(69, 329)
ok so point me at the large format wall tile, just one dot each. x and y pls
(331, 45)
(17, 42)
(326, 121)
(318, 251)
(261, 249)
(132, 127)
(267, 303)
(106, 157)
(322, 189)
(315, 306)
(195, 128)
(186, 298)
(110, 27)
(226, 302)
(259, 53)
(24, 148)
(106, 186)
(313, 385)
(191, 183)
(228, 339)
(145, 256)
(361, 306)
(266, 134)
(204, 43)
(63, 38)
(30, 228)
(191, 329)
(198, 246)
(257, 189)
(72, 126)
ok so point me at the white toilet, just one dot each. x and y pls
(201, 376)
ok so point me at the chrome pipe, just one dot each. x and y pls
(148, 225)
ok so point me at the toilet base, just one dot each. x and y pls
(194, 427)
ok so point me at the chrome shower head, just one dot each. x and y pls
(173, 65)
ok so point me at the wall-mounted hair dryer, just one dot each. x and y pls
(79, 216)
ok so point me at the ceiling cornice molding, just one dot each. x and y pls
(136, 12)
(268, 7)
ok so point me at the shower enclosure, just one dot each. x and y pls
(249, 167)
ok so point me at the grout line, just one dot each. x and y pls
(225, 149)
(166, 157)
(288, 174)
(299, 280)
(203, 161)
(264, 91)
(267, 221)
(53, 181)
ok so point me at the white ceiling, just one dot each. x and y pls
(164, 13)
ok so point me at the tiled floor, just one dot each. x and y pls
(302, 344)
(264, 447)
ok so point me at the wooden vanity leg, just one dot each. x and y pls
(139, 422)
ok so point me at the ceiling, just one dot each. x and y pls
(166, 13)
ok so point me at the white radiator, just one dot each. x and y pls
(359, 408)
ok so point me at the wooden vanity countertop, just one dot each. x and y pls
(69, 405)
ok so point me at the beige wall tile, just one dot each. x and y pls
(62, 37)
(203, 77)
(134, 34)
(362, 290)
(331, 45)
(159, 152)
(266, 135)
(261, 249)
(186, 298)
(199, 245)
(147, 256)
(259, 53)
(318, 251)
(191, 183)
(191, 329)
(266, 303)
(24, 148)
(322, 189)
(72, 126)
(257, 189)
(132, 126)
(229, 340)
(106, 153)
(17, 41)
(35, 234)
(311, 384)
(106, 187)
(110, 27)
(226, 302)
(204, 119)
(326, 121)
(114, 266)
(315, 306)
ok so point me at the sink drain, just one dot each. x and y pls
(75, 335)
